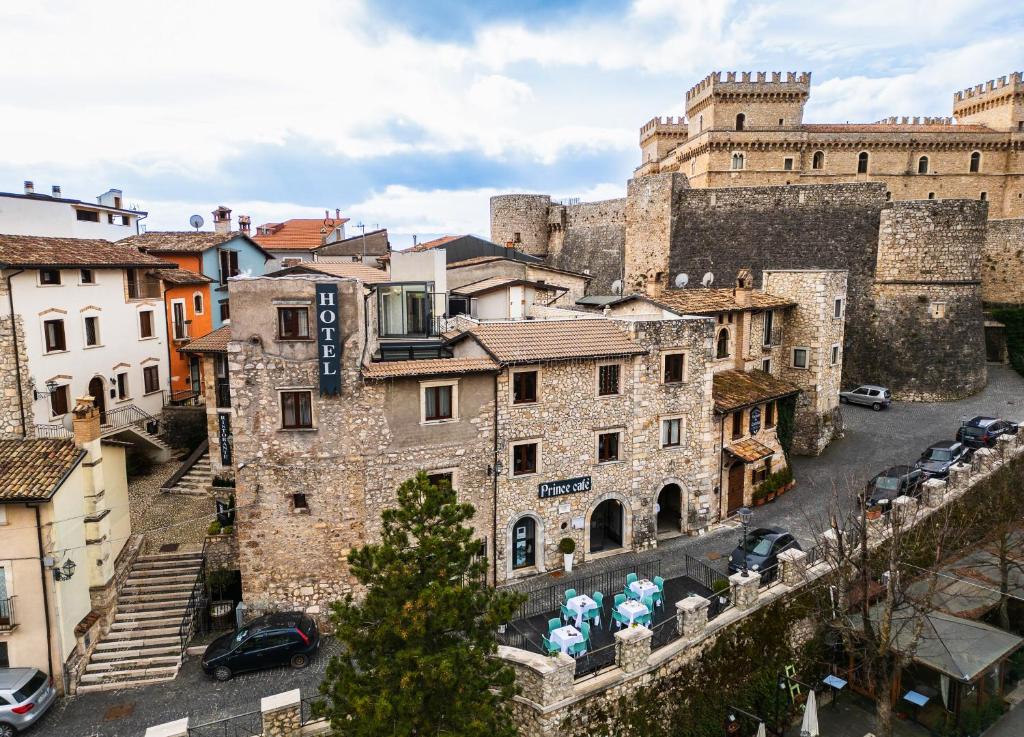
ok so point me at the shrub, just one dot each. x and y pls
(567, 546)
(720, 585)
(214, 528)
(228, 530)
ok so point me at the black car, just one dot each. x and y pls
(981, 432)
(893, 482)
(936, 461)
(288, 638)
(761, 551)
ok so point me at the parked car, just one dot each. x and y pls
(981, 432)
(25, 695)
(761, 551)
(870, 395)
(936, 461)
(893, 482)
(288, 638)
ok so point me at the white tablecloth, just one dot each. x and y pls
(580, 604)
(566, 637)
(643, 588)
(632, 609)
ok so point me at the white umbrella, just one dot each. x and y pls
(760, 730)
(809, 726)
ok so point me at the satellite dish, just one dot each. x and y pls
(617, 286)
(708, 279)
(196, 221)
(681, 280)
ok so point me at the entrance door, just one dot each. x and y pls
(524, 543)
(736, 486)
(670, 515)
(606, 526)
(99, 395)
(194, 377)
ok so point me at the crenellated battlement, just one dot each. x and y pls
(674, 125)
(751, 82)
(1006, 84)
(915, 120)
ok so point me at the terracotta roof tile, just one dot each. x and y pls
(352, 270)
(178, 241)
(34, 468)
(428, 367)
(554, 340)
(32, 251)
(215, 342)
(701, 301)
(749, 450)
(180, 276)
(476, 260)
(373, 243)
(735, 389)
(298, 234)
(496, 282)
(436, 243)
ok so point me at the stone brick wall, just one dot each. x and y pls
(590, 237)
(13, 409)
(522, 214)
(222, 552)
(1002, 267)
(649, 228)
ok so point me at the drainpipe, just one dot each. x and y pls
(494, 488)
(46, 596)
(721, 458)
(17, 361)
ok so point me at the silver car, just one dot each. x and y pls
(870, 395)
(25, 695)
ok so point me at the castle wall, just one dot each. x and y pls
(592, 240)
(521, 219)
(1003, 262)
(648, 227)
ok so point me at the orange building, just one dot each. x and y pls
(189, 315)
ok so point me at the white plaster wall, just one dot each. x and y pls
(119, 337)
(21, 216)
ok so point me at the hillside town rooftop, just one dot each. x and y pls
(31, 251)
(552, 340)
(701, 301)
(213, 342)
(429, 367)
(33, 469)
(735, 389)
(183, 241)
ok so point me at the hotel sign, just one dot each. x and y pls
(328, 341)
(551, 489)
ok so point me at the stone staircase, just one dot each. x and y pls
(144, 642)
(196, 482)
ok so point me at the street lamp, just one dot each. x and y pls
(745, 514)
(64, 572)
(51, 387)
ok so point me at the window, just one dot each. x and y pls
(146, 324)
(931, 195)
(976, 162)
(766, 365)
(737, 424)
(737, 161)
(299, 501)
(674, 368)
(608, 380)
(983, 196)
(225, 310)
(525, 457)
(800, 358)
(296, 410)
(151, 379)
(862, 162)
(179, 324)
(608, 447)
(782, 121)
(122, 385)
(672, 432)
(60, 401)
(87, 216)
(524, 540)
(53, 330)
(740, 120)
(769, 414)
(722, 345)
(404, 310)
(760, 473)
(92, 331)
(442, 477)
(228, 261)
(938, 310)
(818, 160)
(524, 387)
(834, 354)
(787, 164)
(888, 196)
(837, 308)
(49, 277)
(86, 276)
(922, 166)
(197, 303)
(5, 661)
(700, 123)
(293, 323)
(438, 402)
(768, 323)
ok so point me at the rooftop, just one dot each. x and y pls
(71, 201)
(351, 270)
(33, 469)
(180, 276)
(31, 251)
(374, 242)
(749, 450)
(436, 243)
(477, 260)
(297, 234)
(735, 389)
(497, 282)
(428, 367)
(530, 341)
(180, 241)
(214, 342)
(894, 128)
(703, 301)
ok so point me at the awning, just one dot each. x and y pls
(749, 450)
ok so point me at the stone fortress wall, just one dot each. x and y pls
(1002, 267)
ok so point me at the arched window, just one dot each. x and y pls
(862, 163)
(740, 120)
(818, 160)
(737, 161)
(976, 162)
(524, 543)
(606, 526)
(722, 345)
(922, 165)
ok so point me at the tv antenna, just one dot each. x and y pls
(617, 286)
(196, 221)
(708, 279)
(681, 280)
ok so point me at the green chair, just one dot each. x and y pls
(647, 618)
(568, 614)
(620, 618)
(659, 596)
(630, 578)
(569, 594)
(594, 613)
(554, 624)
(549, 647)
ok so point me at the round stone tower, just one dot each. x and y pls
(521, 219)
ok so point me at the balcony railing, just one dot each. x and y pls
(185, 398)
(143, 289)
(182, 331)
(222, 389)
(7, 619)
(58, 432)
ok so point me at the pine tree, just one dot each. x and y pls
(418, 648)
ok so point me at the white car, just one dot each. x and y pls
(870, 395)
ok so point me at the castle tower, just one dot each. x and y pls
(522, 220)
(747, 100)
(658, 136)
(999, 104)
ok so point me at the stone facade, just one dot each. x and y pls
(15, 410)
(1002, 267)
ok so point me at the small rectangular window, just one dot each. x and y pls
(122, 385)
(737, 424)
(92, 331)
(672, 432)
(146, 324)
(769, 414)
(787, 163)
(225, 310)
(151, 379)
(299, 501)
(49, 277)
(674, 368)
(293, 323)
(800, 358)
(608, 380)
(197, 303)
(59, 401)
(228, 262)
(837, 310)
(87, 276)
(437, 403)
(768, 325)
(608, 447)
(834, 356)
(524, 459)
(442, 477)
(296, 410)
(54, 333)
(87, 216)
(524, 387)
(766, 365)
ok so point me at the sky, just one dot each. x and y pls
(410, 114)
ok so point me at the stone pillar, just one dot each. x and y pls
(1005, 445)
(543, 679)
(830, 542)
(959, 477)
(282, 714)
(934, 491)
(632, 648)
(903, 510)
(169, 729)
(743, 589)
(692, 616)
(793, 567)
(985, 458)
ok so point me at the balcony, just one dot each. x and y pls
(7, 619)
(143, 288)
(182, 331)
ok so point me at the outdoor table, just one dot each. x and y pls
(643, 588)
(837, 684)
(632, 609)
(566, 637)
(917, 699)
(581, 604)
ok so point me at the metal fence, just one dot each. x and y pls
(52, 431)
(594, 661)
(550, 598)
(664, 633)
(704, 574)
(240, 725)
(309, 706)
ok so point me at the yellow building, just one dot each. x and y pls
(746, 129)
(64, 520)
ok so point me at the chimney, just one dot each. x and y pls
(30, 188)
(337, 213)
(85, 421)
(243, 223)
(55, 190)
(222, 219)
(414, 239)
(744, 287)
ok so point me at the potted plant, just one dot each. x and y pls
(786, 481)
(567, 546)
(759, 496)
(771, 487)
(718, 587)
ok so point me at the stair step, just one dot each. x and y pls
(169, 577)
(130, 674)
(112, 665)
(138, 643)
(143, 602)
(148, 615)
(144, 633)
(168, 565)
(134, 625)
(155, 588)
(133, 653)
(179, 555)
(116, 685)
(180, 569)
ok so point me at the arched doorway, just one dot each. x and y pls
(606, 526)
(98, 392)
(526, 543)
(670, 510)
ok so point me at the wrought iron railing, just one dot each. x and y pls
(58, 432)
(185, 398)
(310, 708)
(195, 609)
(7, 620)
(770, 576)
(664, 633)
(549, 599)
(222, 392)
(240, 725)
(594, 661)
(704, 574)
(127, 416)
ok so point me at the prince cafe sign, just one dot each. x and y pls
(551, 489)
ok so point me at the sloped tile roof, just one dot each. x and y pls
(178, 241)
(749, 450)
(436, 243)
(214, 342)
(296, 234)
(34, 468)
(734, 389)
(352, 270)
(531, 341)
(429, 367)
(477, 260)
(31, 251)
(496, 282)
(180, 276)
(701, 301)
(374, 243)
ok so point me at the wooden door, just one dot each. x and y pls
(735, 497)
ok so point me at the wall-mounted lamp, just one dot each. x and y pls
(51, 387)
(64, 572)
(495, 470)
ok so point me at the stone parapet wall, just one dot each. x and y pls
(222, 552)
(931, 241)
(1002, 266)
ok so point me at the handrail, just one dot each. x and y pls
(7, 619)
(53, 431)
(188, 619)
(126, 416)
(186, 466)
